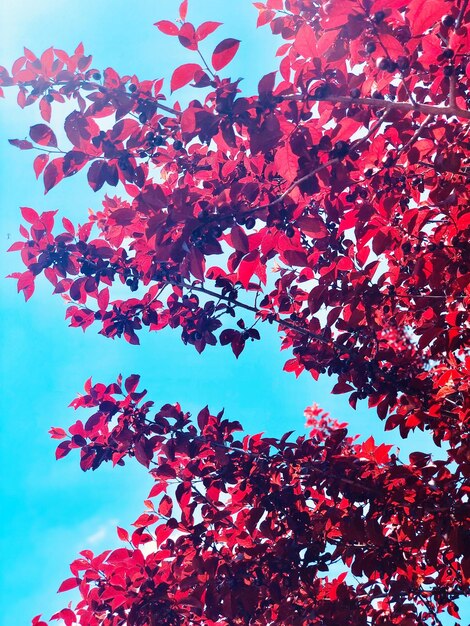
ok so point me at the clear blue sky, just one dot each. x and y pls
(51, 510)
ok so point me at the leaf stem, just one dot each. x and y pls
(205, 63)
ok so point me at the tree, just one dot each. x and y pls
(346, 175)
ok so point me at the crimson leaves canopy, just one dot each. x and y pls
(347, 175)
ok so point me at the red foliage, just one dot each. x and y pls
(347, 175)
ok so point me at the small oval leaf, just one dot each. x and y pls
(43, 135)
(224, 53)
(166, 27)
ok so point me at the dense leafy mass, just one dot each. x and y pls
(346, 177)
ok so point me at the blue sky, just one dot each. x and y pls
(51, 510)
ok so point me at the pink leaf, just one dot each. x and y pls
(183, 10)
(30, 215)
(205, 29)
(122, 534)
(67, 615)
(40, 163)
(57, 433)
(45, 108)
(187, 36)
(103, 299)
(166, 27)
(69, 227)
(69, 583)
(224, 53)
(157, 489)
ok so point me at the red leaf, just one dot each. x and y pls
(187, 36)
(145, 520)
(67, 615)
(43, 135)
(166, 506)
(51, 175)
(157, 489)
(131, 383)
(143, 451)
(162, 533)
(57, 433)
(205, 29)
(16, 247)
(239, 239)
(238, 343)
(69, 583)
(111, 78)
(30, 215)
(45, 108)
(306, 42)
(196, 263)
(183, 75)
(203, 417)
(287, 163)
(97, 174)
(183, 10)
(122, 534)
(166, 27)
(103, 299)
(422, 14)
(40, 163)
(247, 267)
(342, 387)
(22, 144)
(69, 227)
(224, 53)
(312, 226)
(62, 450)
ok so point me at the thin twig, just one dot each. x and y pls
(415, 136)
(205, 63)
(277, 318)
(300, 181)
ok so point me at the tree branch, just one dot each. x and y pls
(461, 14)
(277, 318)
(416, 134)
(377, 103)
(168, 109)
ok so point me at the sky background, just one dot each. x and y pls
(51, 510)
